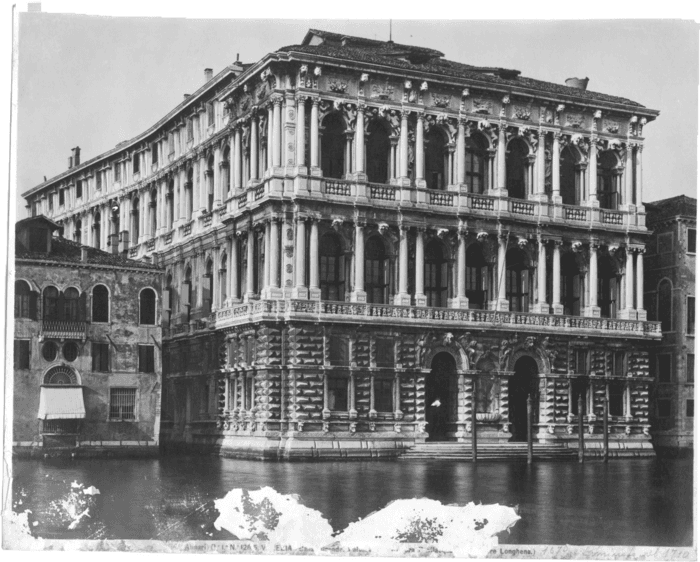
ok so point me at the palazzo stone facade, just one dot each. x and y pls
(363, 241)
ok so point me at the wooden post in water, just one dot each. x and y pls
(580, 428)
(605, 424)
(529, 429)
(474, 419)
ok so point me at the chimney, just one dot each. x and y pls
(76, 156)
(84, 254)
(580, 83)
(186, 96)
(70, 162)
(208, 74)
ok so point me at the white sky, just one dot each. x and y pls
(94, 81)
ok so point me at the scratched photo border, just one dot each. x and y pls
(66, 549)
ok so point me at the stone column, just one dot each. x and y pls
(641, 312)
(360, 143)
(542, 306)
(300, 291)
(593, 173)
(593, 308)
(502, 303)
(237, 163)
(301, 131)
(164, 206)
(638, 185)
(404, 180)
(629, 311)
(501, 164)
(313, 144)
(217, 178)
(269, 139)
(461, 300)
(557, 306)
(275, 291)
(403, 298)
(420, 299)
(266, 263)
(233, 268)
(314, 284)
(249, 293)
(203, 187)
(460, 152)
(254, 149)
(556, 172)
(420, 172)
(359, 294)
(276, 128)
(541, 195)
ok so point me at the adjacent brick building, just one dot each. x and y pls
(364, 242)
(87, 349)
(670, 294)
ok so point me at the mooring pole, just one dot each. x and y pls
(580, 428)
(605, 424)
(529, 429)
(474, 420)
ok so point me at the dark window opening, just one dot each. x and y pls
(338, 394)
(147, 307)
(475, 277)
(25, 301)
(137, 163)
(690, 327)
(517, 281)
(70, 351)
(122, 404)
(376, 272)
(475, 164)
(436, 274)
(616, 397)
(331, 268)
(690, 408)
(436, 160)
(579, 389)
(378, 153)
(608, 287)
(333, 147)
(51, 298)
(385, 352)
(22, 355)
(147, 357)
(100, 304)
(571, 284)
(568, 173)
(78, 189)
(383, 395)
(339, 350)
(100, 357)
(608, 180)
(691, 240)
(516, 169)
(49, 351)
(690, 368)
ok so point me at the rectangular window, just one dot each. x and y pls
(619, 363)
(78, 189)
(338, 394)
(210, 114)
(147, 356)
(339, 352)
(61, 197)
(385, 352)
(122, 404)
(690, 408)
(190, 130)
(663, 408)
(691, 240)
(117, 171)
(247, 390)
(616, 399)
(690, 328)
(383, 395)
(690, 368)
(663, 368)
(100, 357)
(154, 153)
(137, 163)
(578, 389)
(581, 361)
(22, 354)
(98, 180)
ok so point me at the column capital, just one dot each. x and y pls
(301, 98)
(277, 100)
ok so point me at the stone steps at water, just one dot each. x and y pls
(488, 451)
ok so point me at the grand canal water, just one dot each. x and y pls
(645, 502)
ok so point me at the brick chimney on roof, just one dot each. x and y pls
(208, 74)
(76, 156)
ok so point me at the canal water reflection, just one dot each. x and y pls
(644, 502)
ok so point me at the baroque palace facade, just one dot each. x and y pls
(363, 242)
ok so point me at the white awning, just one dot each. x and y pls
(61, 403)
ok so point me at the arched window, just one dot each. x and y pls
(147, 307)
(187, 293)
(333, 147)
(475, 163)
(25, 301)
(476, 277)
(436, 274)
(569, 175)
(665, 305)
(171, 204)
(331, 268)
(571, 285)
(78, 231)
(436, 174)
(376, 274)
(153, 213)
(225, 167)
(71, 304)
(517, 169)
(51, 303)
(517, 281)
(135, 220)
(223, 280)
(209, 173)
(608, 288)
(97, 227)
(608, 180)
(61, 374)
(100, 304)
(378, 150)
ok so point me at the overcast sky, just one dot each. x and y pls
(94, 81)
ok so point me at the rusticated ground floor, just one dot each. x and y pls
(308, 390)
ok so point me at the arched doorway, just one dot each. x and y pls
(523, 383)
(435, 160)
(441, 397)
(333, 147)
(378, 146)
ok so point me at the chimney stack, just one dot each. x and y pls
(186, 96)
(70, 162)
(208, 74)
(580, 83)
(76, 156)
